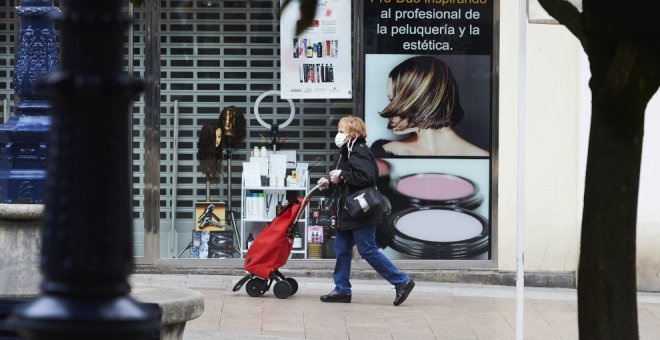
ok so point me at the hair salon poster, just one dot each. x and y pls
(317, 63)
(428, 111)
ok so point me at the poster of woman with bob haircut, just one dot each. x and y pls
(427, 105)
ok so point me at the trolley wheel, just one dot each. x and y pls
(256, 287)
(282, 289)
(293, 283)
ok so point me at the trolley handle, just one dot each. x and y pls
(305, 201)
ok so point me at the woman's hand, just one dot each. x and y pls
(323, 182)
(334, 176)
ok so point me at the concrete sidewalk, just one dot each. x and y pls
(433, 311)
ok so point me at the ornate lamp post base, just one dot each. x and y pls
(23, 137)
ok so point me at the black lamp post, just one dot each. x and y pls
(87, 239)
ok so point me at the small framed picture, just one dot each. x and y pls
(210, 216)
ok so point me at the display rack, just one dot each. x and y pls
(253, 225)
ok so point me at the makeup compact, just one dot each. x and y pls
(439, 189)
(432, 214)
(437, 232)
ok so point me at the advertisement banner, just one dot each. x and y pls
(429, 116)
(317, 63)
(428, 27)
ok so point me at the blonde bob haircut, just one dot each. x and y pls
(425, 94)
(353, 125)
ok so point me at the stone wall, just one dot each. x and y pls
(20, 242)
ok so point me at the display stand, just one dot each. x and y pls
(208, 199)
(253, 225)
(230, 218)
(190, 244)
(218, 139)
(208, 188)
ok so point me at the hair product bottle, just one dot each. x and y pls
(310, 51)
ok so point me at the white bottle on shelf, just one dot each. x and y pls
(297, 239)
(252, 205)
(255, 205)
(248, 205)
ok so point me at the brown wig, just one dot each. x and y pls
(208, 155)
(425, 94)
(232, 123)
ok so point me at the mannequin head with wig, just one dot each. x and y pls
(209, 151)
(232, 124)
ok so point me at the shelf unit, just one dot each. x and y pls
(254, 225)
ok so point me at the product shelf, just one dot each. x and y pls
(255, 224)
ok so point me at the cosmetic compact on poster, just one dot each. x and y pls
(210, 216)
(436, 213)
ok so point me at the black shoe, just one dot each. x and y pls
(334, 296)
(402, 292)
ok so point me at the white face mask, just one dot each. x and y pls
(340, 139)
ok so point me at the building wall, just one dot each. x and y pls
(551, 153)
(551, 230)
(557, 130)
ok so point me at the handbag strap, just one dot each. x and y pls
(373, 161)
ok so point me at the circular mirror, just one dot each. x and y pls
(258, 116)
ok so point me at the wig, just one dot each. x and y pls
(232, 123)
(425, 94)
(208, 154)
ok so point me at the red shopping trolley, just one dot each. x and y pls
(270, 251)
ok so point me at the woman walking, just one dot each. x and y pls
(356, 169)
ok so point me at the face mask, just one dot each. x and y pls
(340, 139)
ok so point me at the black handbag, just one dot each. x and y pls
(363, 202)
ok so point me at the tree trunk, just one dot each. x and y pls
(625, 75)
(607, 300)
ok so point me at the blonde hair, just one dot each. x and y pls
(425, 93)
(353, 124)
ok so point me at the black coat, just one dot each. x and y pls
(358, 171)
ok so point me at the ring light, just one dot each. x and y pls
(261, 121)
